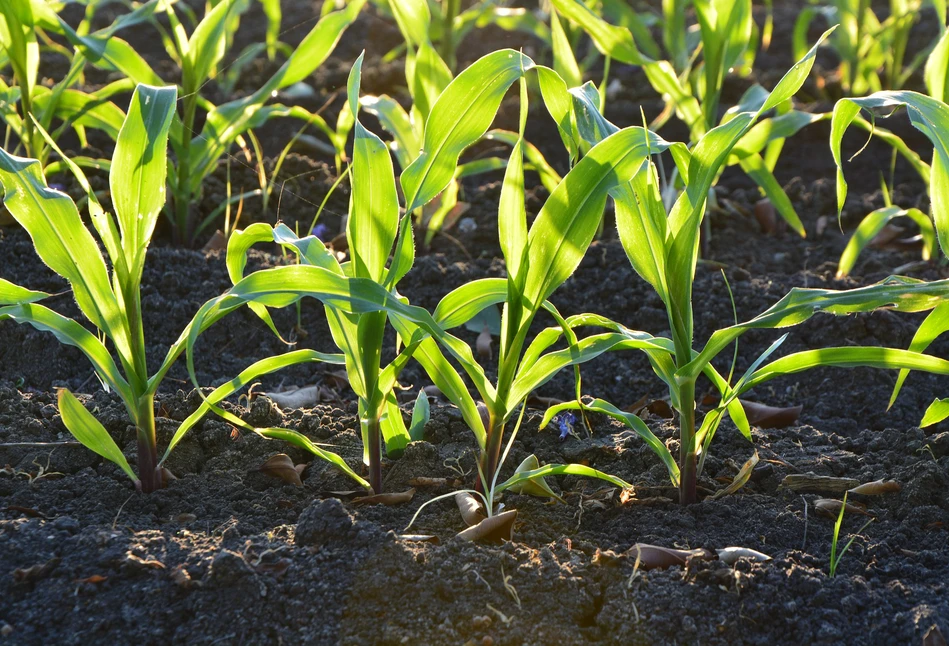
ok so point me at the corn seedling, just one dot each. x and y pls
(200, 55)
(539, 260)
(427, 75)
(835, 558)
(664, 251)
(872, 51)
(21, 41)
(112, 304)
(727, 40)
(372, 228)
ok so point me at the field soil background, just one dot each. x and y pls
(227, 554)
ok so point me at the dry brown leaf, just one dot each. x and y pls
(306, 397)
(35, 572)
(135, 562)
(281, 466)
(425, 481)
(877, 488)
(766, 215)
(95, 578)
(764, 416)
(740, 480)
(217, 242)
(933, 637)
(483, 344)
(607, 558)
(812, 483)
(651, 557)
(492, 530)
(387, 499)
(730, 555)
(470, 508)
(830, 508)
(182, 578)
(543, 402)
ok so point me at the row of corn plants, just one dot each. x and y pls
(449, 114)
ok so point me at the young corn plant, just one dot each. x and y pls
(927, 114)
(663, 250)
(728, 39)
(197, 153)
(21, 41)
(373, 227)
(930, 116)
(111, 303)
(427, 75)
(872, 51)
(539, 260)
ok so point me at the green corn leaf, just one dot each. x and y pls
(937, 412)
(569, 219)
(935, 324)
(139, 166)
(533, 487)
(11, 294)
(632, 421)
(247, 376)
(63, 243)
(403, 258)
(227, 121)
(464, 303)
(394, 432)
(302, 441)
(374, 204)
(90, 433)
(396, 121)
(850, 357)
(80, 109)
(458, 119)
(18, 41)
(896, 293)
(565, 63)
(205, 48)
(936, 73)
(871, 225)
(421, 414)
(546, 366)
(557, 470)
(68, 332)
(929, 116)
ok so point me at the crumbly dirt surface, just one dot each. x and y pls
(228, 554)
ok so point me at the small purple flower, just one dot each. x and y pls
(321, 231)
(565, 422)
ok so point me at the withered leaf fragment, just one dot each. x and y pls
(933, 637)
(35, 572)
(281, 466)
(740, 480)
(492, 530)
(388, 499)
(812, 483)
(651, 557)
(470, 508)
(764, 416)
(536, 486)
(877, 488)
(831, 508)
(306, 397)
(730, 555)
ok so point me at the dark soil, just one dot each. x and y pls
(227, 554)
